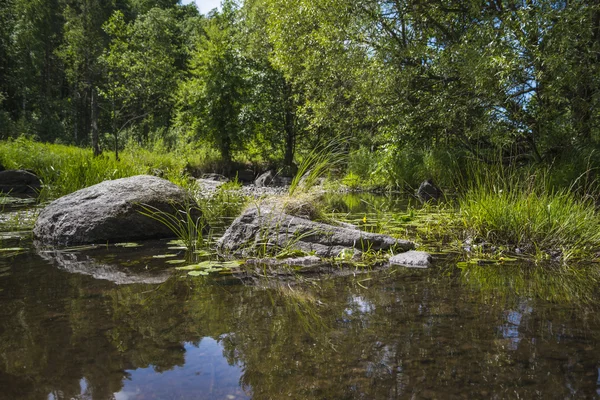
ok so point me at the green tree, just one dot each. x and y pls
(83, 44)
(211, 100)
(141, 73)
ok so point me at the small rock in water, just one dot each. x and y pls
(428, 191)
(19, 181)
(412, 258)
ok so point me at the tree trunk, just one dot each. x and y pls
(94, 118)
(290, 133)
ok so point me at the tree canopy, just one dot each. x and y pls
(267, 78)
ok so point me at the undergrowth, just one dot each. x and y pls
(65, 169)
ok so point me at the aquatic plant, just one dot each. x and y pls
(185, 221)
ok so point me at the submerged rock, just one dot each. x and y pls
(19, 182)
(109, 212)
(428, 191)
(415, 259)
(266, 230)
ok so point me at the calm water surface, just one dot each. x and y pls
(116, 323)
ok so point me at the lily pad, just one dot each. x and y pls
(128, 245)
(12, 249)
(204, 253)
(165, 256)
(212, 265)
(175, 261)
(176, 242)
(198, 273)
(177, 248)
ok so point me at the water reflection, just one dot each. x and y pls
(401, 333)
(204, 374)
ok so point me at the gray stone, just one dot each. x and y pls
(264, 179)
(214, 177)
(415, 259)
(19, 182)
(245, 176)
(271, 178)
(428, 191)
(292, 261)
(264, 229)
(109, 212)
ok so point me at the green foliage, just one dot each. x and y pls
(65, 169)
(527, 216)
(211, 100)
(185, 221)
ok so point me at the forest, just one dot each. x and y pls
(408, 87)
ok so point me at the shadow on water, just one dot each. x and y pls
(69, 331)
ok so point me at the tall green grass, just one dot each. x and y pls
(315, 164)
(517, 207)
(65, 169)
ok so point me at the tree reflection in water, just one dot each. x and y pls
(393, 334)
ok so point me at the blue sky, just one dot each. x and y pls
(204, 5)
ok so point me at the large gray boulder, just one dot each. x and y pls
(265, 229)
(18, 181)
(109, 212)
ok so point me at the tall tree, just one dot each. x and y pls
(84, 42)
(211, 99)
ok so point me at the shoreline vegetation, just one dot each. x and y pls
(497, 104)
(500, 213)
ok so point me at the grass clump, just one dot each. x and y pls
(186, 223)
(314, 165)
(65, 169)
(530, 216)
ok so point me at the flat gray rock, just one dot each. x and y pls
(415, 259)
(265, 230)
(109, 212)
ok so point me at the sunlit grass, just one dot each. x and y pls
(65, 169)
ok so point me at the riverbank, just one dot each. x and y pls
(501, 213)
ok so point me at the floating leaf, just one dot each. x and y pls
(175, 261)
(177, 248)
(128, 245)
(203, 253)
(10, 249)
(198, 273)
(165, 256)
(214, 266)
(176, 242)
